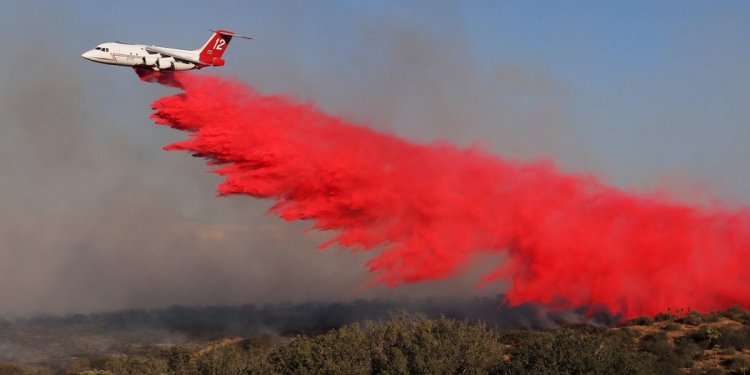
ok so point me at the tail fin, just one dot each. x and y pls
(214, 48)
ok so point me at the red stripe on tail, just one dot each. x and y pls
(214, 48)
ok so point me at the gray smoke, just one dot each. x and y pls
(97, 217)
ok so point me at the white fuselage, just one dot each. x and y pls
(118, 53)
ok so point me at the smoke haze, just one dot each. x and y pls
(91, 219)
(90, 223)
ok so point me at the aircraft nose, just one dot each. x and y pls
(88, 54)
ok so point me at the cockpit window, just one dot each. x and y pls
(98, 48)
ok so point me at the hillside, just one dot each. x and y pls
(670, 343)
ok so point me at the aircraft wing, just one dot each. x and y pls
(176, 56)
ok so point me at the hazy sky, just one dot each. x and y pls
(94, 215)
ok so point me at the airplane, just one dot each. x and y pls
(141, 56)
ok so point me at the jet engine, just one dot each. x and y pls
(150, 60)
(165, 63)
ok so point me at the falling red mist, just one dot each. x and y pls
(425, 210)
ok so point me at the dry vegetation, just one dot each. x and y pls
(680, 343)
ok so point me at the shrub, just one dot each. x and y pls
(257, 350)
(632, 333)
(664, 317)
(625, 333)
(734, 313)
(692, 318)
(686, 350)
(567, 351)
(707, 337)
(248, 357)
(655, 343)
(736, 364)
(179, 359)
(135, 366)
(402, 344)
(223, 360)
(342, 351)
(433, 346)
(640, 321)
(735, 338)
(665, 360)
(712, 318)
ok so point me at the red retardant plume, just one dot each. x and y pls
(425, 210)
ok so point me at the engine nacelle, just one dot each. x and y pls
(150, 60)
(165, 63)
(218, 62)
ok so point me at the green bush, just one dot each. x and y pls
(257, 350)
(402, 345)
(179, 359)
(342, 351)
(567, 351)
(442, 346)
(224, 360)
